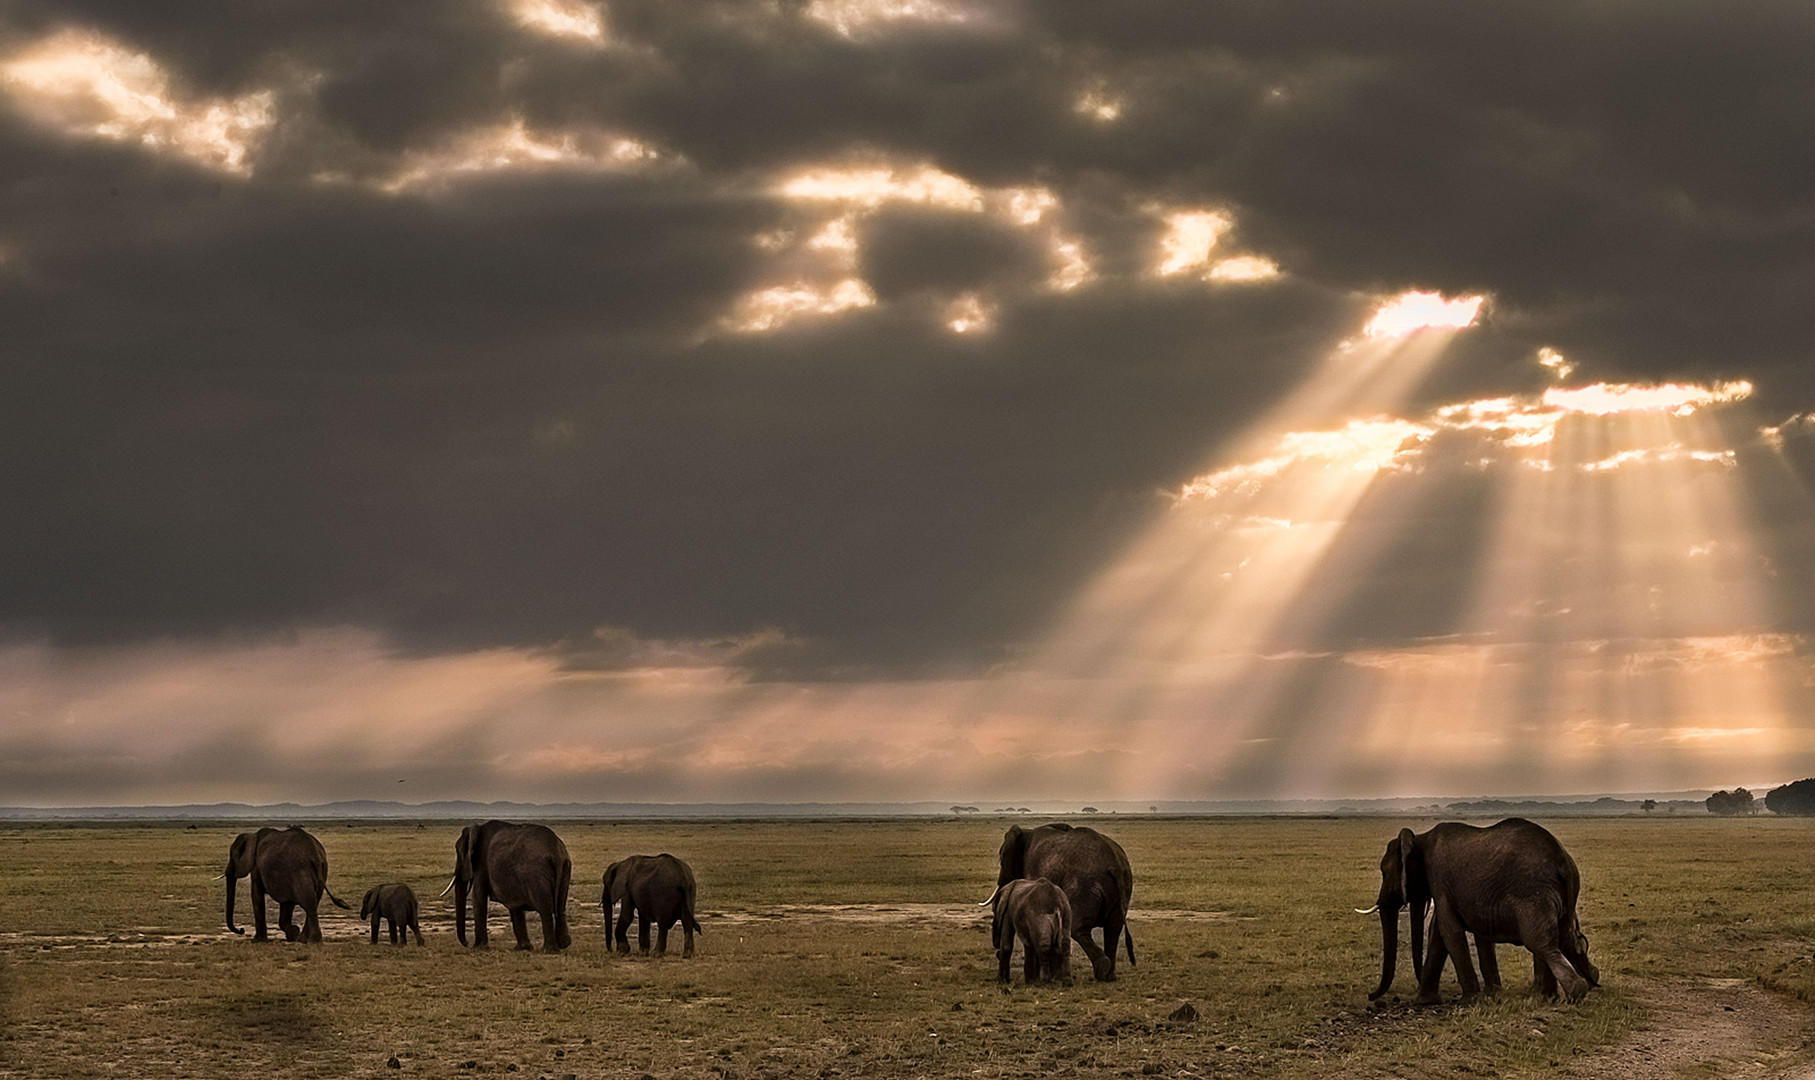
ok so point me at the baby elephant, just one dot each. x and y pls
(656, 888)
(395, 903)
(1038, 912)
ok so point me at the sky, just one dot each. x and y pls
(861, 400)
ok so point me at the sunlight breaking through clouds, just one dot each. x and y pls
(571, 19)
(819, 254)
(514, 147)
(865, 18)
(770, 308)
(1414, 311)
(85, 84)
(1190, 237)
(1614, 617)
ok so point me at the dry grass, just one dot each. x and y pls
(845, 949)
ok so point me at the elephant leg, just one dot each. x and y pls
(482, 902)
(1102, 966)
(1112, 939)
(1543, 983)
(1490, 965)
(311, 930)
(551, 930)
(623, 930)
(686, 939)
(1569, 985)
(661, 938)
(642, 933)
(399, 935)
(415, 926)
(1431, 974)
(1542, 935)
(519, 927)
(375, 918)
(1456, 944)
(1030, 963)
(261, 930)
(286, 919)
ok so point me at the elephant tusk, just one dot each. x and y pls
(992, 898)
(450, 888)
(1375, 910)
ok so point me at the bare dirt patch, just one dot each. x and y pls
(1708, 1027)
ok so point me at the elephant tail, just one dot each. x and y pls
(338, 902)
(1128, 937)
(687, 919)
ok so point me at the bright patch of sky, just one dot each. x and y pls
(820, 254)
(561, 18)
(514, 147)
(863, 18)
(87, 85)
(1414, 311)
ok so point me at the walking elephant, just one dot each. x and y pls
(1038, 913)
(1092, 870)
(523, 867)
(395, 903)
(1509, 883)
(286, 865)
(656, 888)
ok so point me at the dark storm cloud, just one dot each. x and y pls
(498, 412)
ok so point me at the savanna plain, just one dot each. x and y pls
(855, 948)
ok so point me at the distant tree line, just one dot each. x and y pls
(1796, 799)
(1792, 800)
(1735, 803)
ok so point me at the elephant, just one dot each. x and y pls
(394, 902)
(287, 865)
(1092, 870)
(1039, 914)
(1509, 883)
(523, 867)
(657, 888)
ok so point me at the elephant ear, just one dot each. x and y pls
(466, 853)
(1013, 855)
(1414, 881)
(239, 856)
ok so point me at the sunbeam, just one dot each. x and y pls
(1608, 624)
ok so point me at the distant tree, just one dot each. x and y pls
(1796, 799)
(965, 810)
(1648, 805)
(1091, 810)
(1735, 803)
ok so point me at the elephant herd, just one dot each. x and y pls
(524, 868)
(1509, 883)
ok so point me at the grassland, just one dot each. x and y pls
(855, 948)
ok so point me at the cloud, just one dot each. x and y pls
(869, 333)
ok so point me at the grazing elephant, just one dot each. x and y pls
(394, 902)
(1039, 914)
(1510, 883)
(657, 888)
(523, 867)
(287, 865)
(1093, 871)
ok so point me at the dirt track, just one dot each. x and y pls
(1726, 1027)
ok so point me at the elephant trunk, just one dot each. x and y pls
(232, 890)
(1389, 950)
